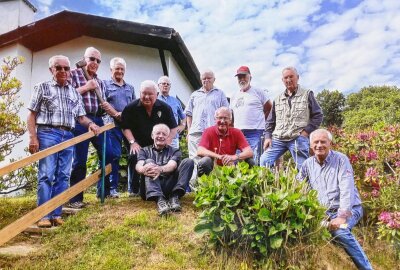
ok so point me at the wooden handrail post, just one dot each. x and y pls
(24, 222)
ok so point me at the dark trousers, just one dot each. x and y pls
(81, 154)
(170, 184)
(133, 176)
(206, 165)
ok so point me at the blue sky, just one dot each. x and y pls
(334, 44)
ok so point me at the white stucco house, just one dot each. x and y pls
(149, 50)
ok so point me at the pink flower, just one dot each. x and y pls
(385, 217)
(397, 164)
(353, 158)
(362, 136)
(372, 155)
(372, 173)
(375, 193)
(392, 224)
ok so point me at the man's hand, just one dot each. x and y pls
(134, 149)
(267, 143)
(106, 106)
(335, 223)
(91, 84)
(152, 170)
(93, 127)
(228, 160)
(33, 145)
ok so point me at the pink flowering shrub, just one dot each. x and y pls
(389, 228)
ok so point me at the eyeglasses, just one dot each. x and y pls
(165, 83)
(222, 118)
(94, 59)
(59, 68)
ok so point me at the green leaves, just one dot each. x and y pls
(257, 209)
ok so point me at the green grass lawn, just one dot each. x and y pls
(127, 233)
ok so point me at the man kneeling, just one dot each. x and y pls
(165, 176)
(221, 143)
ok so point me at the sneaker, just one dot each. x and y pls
(162, 206)
(175, 204)
(44, 223)
(76, 205)
(58, 221)
(114, 193)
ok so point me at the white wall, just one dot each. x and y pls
(13, 14)
(143, 63)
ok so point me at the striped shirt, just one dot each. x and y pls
(202, 106)
(56, 105)
(91, 104)
(334, 182)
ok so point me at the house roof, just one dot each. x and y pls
(68, 25)
(29, 4)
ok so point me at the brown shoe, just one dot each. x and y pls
(57, 221)
(44, 223)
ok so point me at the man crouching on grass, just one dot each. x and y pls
(331, 175)
(165, 176)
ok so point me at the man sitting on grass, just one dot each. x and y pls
(330, 173)
(221, 143)
(165, 176)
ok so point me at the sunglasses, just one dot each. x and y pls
(94, 59)
(59, 68)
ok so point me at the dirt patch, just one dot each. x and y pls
(20, 250)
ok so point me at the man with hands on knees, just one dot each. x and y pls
(331, 175)
(53, 109)
(165, 175)
(221, 142)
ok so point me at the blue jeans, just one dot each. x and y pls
(116, 138)
(54, 170)
(299, 148)
(253, 137)
(346, 239)
(81, 154)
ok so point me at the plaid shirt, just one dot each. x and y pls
(56, 105)
(89, 98)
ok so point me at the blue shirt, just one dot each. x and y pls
(334, 182)
(202, 106)
(176, 107)
(119, 96)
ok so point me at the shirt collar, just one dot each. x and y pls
(294, 93)
(327, 159)
(204, 91)
(153, 147)
(55, 83)
(113, 82)
(220, 134)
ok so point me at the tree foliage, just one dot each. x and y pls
(373, 106)
(12, 127)
(332, 104)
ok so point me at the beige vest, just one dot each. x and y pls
(291, 121)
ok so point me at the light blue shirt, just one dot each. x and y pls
(202, 106)
(119, 96)
(176, 107)
(334, 182)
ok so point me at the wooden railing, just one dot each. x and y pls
(30, 218)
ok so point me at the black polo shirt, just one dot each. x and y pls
(135, 118)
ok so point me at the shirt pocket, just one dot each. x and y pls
(51, 102)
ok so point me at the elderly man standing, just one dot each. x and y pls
(295, 114)
(87, 88)
(164, 84)
(200, 112)
(138, 119)
(221, 143)
(250, 107)
(331, 175)
(53, 109)
(165, 175)
(118, 94)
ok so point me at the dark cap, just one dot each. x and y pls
(243, 70)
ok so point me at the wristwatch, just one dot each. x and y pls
(132, 141)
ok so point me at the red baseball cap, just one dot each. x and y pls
(243, 70)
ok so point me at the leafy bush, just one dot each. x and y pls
(254, 209)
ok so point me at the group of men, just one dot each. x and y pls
(75, 101)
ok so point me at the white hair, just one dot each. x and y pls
(321, 130)
(207, 71)
(148, 84)
(292, 69)
(117, 60)
(164, 78)
(53, 59)
(160, 126)
(223, 109)
(90, 49)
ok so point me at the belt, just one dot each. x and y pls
(58, 127)
(98, 114)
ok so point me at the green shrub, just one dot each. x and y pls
(254, 209)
